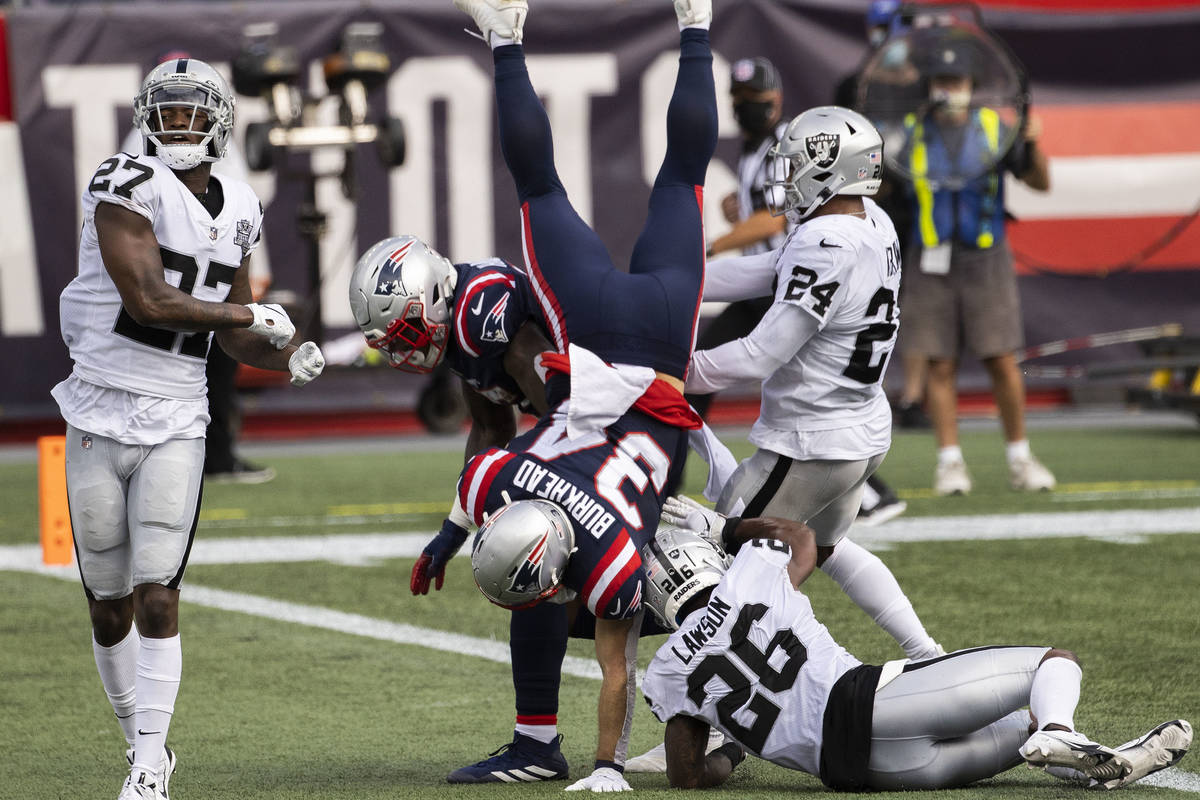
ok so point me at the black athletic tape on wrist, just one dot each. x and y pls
(728, 541)
(733, 751)
(601, 764)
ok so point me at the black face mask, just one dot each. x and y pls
(756, 118)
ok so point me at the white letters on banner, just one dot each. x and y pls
(20, 292)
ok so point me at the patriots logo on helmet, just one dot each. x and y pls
(823, 148)
(390, 280)
(493, 323)
(528, 575)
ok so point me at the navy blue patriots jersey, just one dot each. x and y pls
(609, 482)
(492, 300)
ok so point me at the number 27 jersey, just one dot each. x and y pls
(200, 255)
(754, 663)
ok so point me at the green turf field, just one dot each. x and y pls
(342, 706)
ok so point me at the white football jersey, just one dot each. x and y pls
(754, 662)
(843, 270)
(200, 255)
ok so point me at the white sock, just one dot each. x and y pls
(118, 667)
(870, 497)
(703, 25)
(1055, 692)
(948, 455)
(871, 585)
(1017, 450)
(496, 40)
(159, 666)
(543, 733)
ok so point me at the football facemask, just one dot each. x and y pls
(184, 89)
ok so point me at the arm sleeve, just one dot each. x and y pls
(740, 277)
(783, 330)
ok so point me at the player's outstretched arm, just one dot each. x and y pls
(796, 535)
(687, 766)
(431, 565)
(727, 280)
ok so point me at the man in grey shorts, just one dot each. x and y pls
(820, 352)
(748, 657)
(163, 262)
(960, 289)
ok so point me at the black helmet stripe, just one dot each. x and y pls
(181, 65)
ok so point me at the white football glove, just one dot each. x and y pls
(605, 779)
(306, 363)
(271, 321)
(681, 511)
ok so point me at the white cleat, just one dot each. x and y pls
(1074, 750)
(166, 768)
(144, 787)
(655, 759)
(1030, 475)
(505, 18)
(951, 478)
(693, 12)
(1160, 748)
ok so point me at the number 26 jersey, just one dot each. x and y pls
(200, 255)
(754, 663)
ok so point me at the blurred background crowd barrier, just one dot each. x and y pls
(1116, 84)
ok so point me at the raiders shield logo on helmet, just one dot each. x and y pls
(390, 281)
(823, 148)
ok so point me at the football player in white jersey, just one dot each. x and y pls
(163, 261)
(820, 352)
(750, 659)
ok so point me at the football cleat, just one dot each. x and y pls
(1030, 475)
(523, 760)
(951, 478)
(887, 508)
(505, 18)
(144, 787)
(693, 12)
(1160, 748)
(1074, 750)
(655, 759)
(166, 767)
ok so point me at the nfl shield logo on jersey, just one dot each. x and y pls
(212, 232)
(823, 148)
(390, 281)
(86, 442)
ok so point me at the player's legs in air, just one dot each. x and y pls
(670, 249)
(647, 316)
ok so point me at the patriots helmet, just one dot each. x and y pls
(402, 295)
(520, 554)
(826, 151)
(193, 85)
(679, 564)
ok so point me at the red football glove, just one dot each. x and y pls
(431, 566)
